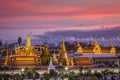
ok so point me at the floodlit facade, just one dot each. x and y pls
(36, 56)
(96, 48)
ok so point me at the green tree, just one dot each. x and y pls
(46, 76)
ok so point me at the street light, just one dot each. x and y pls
(118, 55)
(65, 79)
(22, 69)
(66, 68)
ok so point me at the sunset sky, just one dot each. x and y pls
(22, 17)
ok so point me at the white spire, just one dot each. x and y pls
(51, 66)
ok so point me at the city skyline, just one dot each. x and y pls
(40, 17)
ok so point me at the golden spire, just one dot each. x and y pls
(46, 50)
(63, 49)
(78, 44)
(6, 63)
(28, 46)
(95, 42)
(63, 45)
(28, 43)
(96, 47)
(112, 48)
(111, 45)
(55, 58)
(79, 47)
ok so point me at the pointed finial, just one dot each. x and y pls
(63, 38)
(46, 50)
(28, 43)
(95, 42)
(54, 57)
(111, 44)
(78, 43)
(63, 45)
(51, 66)
(6, 63)
(29, 46)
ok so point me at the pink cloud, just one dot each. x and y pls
(25, 14)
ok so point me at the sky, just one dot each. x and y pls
(36, 17)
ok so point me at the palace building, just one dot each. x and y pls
(95, 54)
(96, 48)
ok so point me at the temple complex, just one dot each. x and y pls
(36, 56)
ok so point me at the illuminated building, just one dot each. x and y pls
(95, 54)
(35, 56)
(96, 48)
(25, 56)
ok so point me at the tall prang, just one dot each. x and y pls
(63, 57)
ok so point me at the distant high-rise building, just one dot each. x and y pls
(19, 40)
(6, 45)
(0, 43)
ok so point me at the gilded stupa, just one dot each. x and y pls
(45, 56)
(55, 60)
